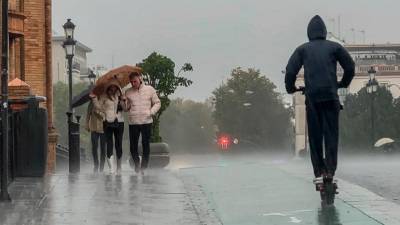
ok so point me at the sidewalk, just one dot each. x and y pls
(277, 193)
(157, 198)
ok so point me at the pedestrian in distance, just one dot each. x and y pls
(319, 57)
(111, 104)
(141, 103)
(94, 124)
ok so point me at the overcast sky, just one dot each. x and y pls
(216, 36)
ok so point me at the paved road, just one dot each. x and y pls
(380, 175)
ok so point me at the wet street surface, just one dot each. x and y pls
(212, 189)
(155, 198)
(380, 175)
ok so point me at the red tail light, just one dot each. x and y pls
(224, 142)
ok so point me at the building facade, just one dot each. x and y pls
(60, 64)
(384, 58)
(30, 55)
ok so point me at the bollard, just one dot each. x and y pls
(73, 144)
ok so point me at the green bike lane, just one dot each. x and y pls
(260, 193)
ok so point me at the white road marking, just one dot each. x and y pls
(294, 220)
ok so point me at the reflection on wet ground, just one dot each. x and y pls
(264, 189)
(328, 215)
(98, 199)
(211, 189)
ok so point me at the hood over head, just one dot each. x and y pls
(316, 29)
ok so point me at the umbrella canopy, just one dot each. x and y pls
(120, 75)
(383, 141)
(81, 98)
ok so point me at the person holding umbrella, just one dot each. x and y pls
(141, 103)
(111, 104)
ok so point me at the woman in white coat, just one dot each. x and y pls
(111, 104)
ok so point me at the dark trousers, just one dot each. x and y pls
(323, 129)
(134, 133)
(118, 133)
(96, 138)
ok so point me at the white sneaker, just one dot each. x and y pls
(110, 163)
(318, 180)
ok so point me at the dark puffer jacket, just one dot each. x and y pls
(319, 58)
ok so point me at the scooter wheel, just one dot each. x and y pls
(330, 193)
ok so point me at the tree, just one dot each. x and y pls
(191, 123)
(61, 108)
(159, 72)
(356, 119)
(248, 107)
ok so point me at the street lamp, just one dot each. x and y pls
(69, 46)
(69, 29)
(92, 77)
(73, 127)
(372, 88)
(4, 195)
(343, 92)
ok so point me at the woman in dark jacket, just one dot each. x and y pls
(94, 124)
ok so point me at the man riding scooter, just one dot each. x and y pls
(319, 57)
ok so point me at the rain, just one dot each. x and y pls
(200, 112)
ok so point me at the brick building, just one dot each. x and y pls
(30, 55)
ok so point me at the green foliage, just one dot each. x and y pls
(356, 119)
(61, 108)
(159, 72)
(186, 124)
(248, 107)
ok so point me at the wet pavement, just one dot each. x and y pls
(158, 197)
(263, 190)
(380, 175)
(207, 189)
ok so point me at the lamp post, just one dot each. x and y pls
(92, 77)
(4, 195)
(73, 128)
(343, 92)
(372, 88)
(69, 46)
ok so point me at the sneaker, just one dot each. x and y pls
(131, 163)
(110, 163)
(137, 168)
(319, 183)
(318, 180)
